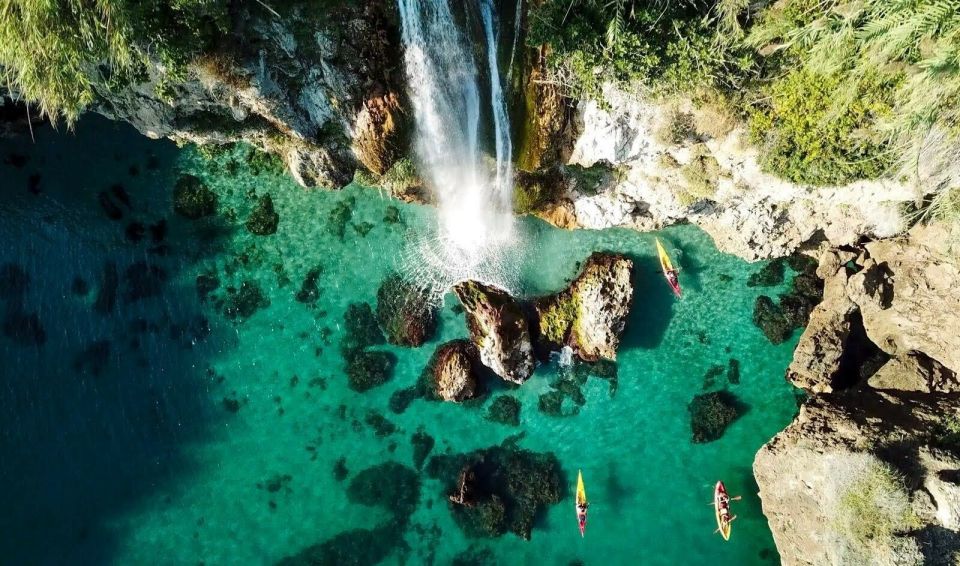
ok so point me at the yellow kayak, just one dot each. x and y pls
(581, 506)
(668, 270)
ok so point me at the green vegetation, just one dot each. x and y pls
(57, 53)
(833, 90)
(873, 507)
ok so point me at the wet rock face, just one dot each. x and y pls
(193, 199)
(380, 132)
(454, 372)
(499, 329)
(590, 315)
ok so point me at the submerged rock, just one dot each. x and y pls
(768, 317)
(498, 328)
(240, 304)
(263, 220)
(390, 485)
(452, 371)
(368, 369)
(505, 410)
(309, 290)
(422, 446)
(14, 282)
(405, 312)
(711, 414)
(193, 199)
(360, 329)
(24, 328)
(499, 490)
(590, 315)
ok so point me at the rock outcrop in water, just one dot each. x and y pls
(452, 372)
(867, 473)
(499, 329)
(590, 315)
(405, 312)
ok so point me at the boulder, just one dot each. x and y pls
(453, 371)
(590, 315)
(915, 372)
(380, 136)
(909, 294)
(498, 328)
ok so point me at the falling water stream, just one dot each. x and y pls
(476, 232)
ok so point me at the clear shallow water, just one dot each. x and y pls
(133, 457)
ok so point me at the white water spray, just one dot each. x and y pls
(475, 236)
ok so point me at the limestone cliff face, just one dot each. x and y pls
(322, 87)
(869, 472)
(684, 163)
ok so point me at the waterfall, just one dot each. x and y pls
(476, 226)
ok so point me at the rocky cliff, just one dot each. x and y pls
(869, 471)
(321, 86)
(673, 162)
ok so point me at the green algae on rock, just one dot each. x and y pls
(264, 219)
(590, 315)
(193, 199)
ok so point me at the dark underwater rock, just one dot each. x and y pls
(79, 287)
(206, 283)
(340, 470)
(240, 304)
(356, 547)
(499, 490)
(193, 199)
(107, 293)
(263, 221)
(505, 410)
(109, 208)
(143, 280)
(422, 446)
(360, 329)
(499, 329)
(309, 290)
(381, 426)
(366, 370)
(135, 231)
(770, 319)
(24, 328)
(93, 359)
(769, 275)
(405, 312)
(402, 398)
(711, 414)
(340, 216)
(14, 282)
(389, 485)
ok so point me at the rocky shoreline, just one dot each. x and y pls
(867, 472)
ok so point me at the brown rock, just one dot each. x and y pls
(560, 214)
(453, 371)
(498, 328)
(915, 372)
(380, 132)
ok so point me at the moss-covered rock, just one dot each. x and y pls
(193, 199)
(536, 190)
(521, 481)
(590, 315)
(499, 329)
(263, 220)
(711, 414)
(404, 182)
(505, 410)
(405, 312)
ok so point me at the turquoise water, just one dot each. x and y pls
(175, 445)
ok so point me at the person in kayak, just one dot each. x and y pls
(672, 278)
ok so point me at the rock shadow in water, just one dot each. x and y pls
(652, 305)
